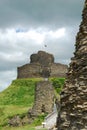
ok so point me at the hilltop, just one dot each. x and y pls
(25, 98)
(18, 98)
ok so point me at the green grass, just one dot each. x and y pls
(28, 127)
(58, 84)
(20, 92)
(19, 97)
(16, 99)
(19, 128)
(8, 111)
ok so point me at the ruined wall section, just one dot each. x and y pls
(44, 98)
(38, 62)
(58, 70)
(73, 113)
(29, 71)
(35, 70)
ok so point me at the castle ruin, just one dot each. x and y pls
(38, 64)
(73, 112)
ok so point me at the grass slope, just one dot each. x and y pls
(20, 92)
(16, 99)
(19, 97)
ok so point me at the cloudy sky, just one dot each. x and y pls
(27, 25)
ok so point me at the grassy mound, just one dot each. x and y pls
(16, 99)
(19, 97)
(20, 92)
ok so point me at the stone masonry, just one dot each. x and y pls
(43, 104)
(40, 61)
(44, 98)
(73, 112)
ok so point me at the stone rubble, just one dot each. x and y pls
(74, 95)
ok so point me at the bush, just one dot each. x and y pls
(39, 119)
(58, 84)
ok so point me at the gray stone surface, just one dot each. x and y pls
(42, 57)
(74, 95)
(40, 62)
(15, 121)
(44, 98)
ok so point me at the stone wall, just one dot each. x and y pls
(42, 58)
(43, 104)
(38, 62)
(29, 71)
(44, 98)
(73, 113)
(58, 70)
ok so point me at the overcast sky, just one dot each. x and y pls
(27, 25)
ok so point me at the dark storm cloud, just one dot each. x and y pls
(53, 13)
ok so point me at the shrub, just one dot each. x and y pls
(58, 84)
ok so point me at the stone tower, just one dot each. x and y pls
(73, 111)
(40, 62)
